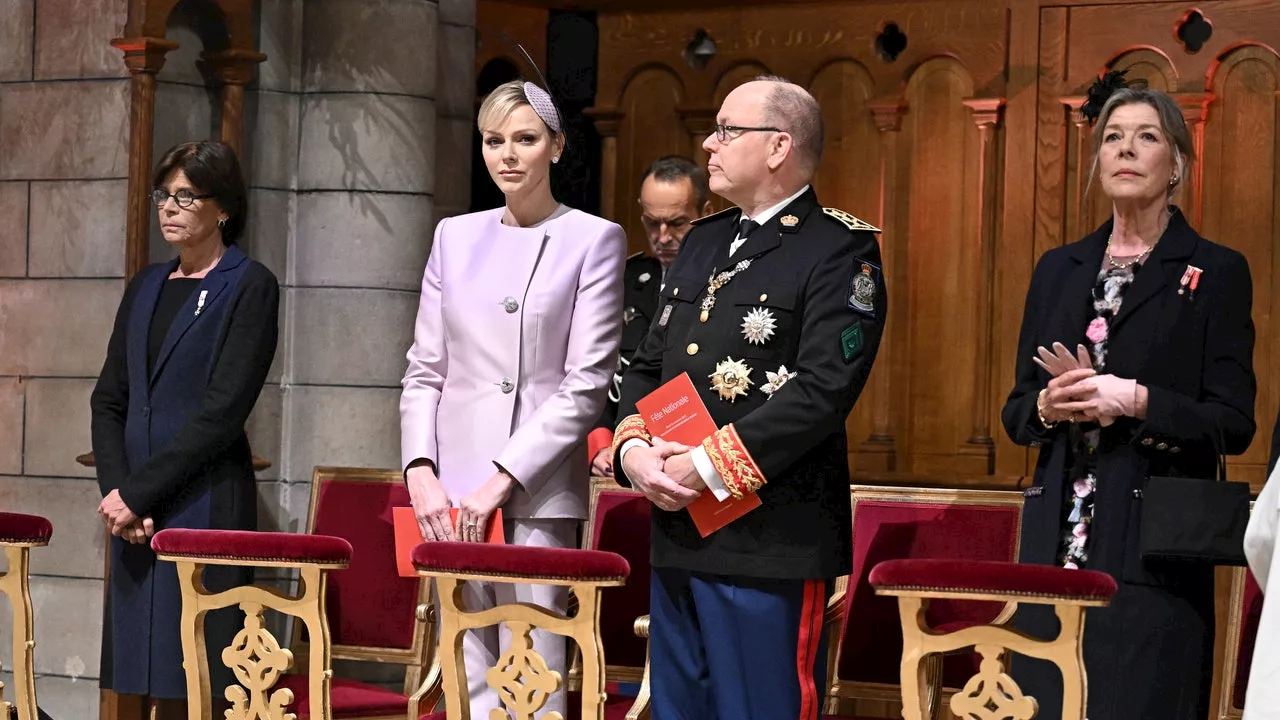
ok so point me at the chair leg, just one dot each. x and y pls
(1069, 657)
(586, 631)
(913, 673)
(452, 662)
(195, 659)
(15, 583)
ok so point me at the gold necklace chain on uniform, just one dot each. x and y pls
(715, 282)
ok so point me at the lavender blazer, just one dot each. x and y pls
(515, 345)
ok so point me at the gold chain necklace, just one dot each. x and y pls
(1122, 266)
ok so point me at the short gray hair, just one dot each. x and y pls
(793, 109)
(1172, 124)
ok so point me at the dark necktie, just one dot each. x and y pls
(746, 227)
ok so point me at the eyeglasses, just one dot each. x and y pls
(722, 131)
(184, 198)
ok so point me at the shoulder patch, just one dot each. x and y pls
(849, 221)
(716, 216)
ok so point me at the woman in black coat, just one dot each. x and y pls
(1135, 356)
(193, 341)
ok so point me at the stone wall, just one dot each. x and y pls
(357, 139)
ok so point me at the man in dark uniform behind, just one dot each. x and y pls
(673, 193)
(775, 310)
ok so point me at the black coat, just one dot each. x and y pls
(640, 282)
(172, 441)
(804, 264)
(1194, 353)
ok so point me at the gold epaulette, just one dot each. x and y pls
(635, 255)
(713, 216)
(850, 221)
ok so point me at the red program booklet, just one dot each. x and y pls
(408, 535)
(675, 413)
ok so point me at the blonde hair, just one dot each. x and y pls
(503, 101)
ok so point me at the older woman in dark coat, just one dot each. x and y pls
(193, 342)
(1135, 360)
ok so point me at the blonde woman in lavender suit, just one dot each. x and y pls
(514, 348)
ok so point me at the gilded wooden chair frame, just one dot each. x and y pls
(520, 677)
(16, 584)
(416, 659)
(840, 691)
(255, 655)
(990, 694)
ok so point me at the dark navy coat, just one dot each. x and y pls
(172, 441)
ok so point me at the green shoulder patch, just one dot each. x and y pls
(850, 221)
(851, 342)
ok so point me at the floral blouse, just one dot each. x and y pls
(1108, 292)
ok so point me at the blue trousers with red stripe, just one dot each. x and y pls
(733, 648)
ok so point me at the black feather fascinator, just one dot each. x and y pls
(1101, 91)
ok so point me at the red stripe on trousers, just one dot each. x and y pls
(812, 609)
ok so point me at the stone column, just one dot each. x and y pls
(456, 100)
(364, 219)
(62, 200)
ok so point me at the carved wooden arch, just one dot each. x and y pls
(144, 46)
(1153, 57)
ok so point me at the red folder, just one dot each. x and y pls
(675, 413)
(408, 535)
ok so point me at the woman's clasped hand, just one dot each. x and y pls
(1076, 393)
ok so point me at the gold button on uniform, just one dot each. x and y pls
(692, 349)
(1147, 441)
(676, 291)
(1162, 446)
(764, 296)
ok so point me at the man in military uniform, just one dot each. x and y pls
(775, 310)
(673, 193)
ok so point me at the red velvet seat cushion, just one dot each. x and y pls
(1250, 617)
(19, 528)
(519, 560)
(250, 546)
(987, 576)
(622, 527)
(349, 698)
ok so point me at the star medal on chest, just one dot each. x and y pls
(730, 380)
(776, 380)
(758, 326)
(715, 283)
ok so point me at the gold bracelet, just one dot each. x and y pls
(1040, 411)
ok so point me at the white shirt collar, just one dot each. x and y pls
(767, 215)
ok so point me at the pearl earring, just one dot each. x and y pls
(222, 222)
(555, 159)
(1173, 180)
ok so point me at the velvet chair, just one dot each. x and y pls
(618, 522)
(375, 616)
(520, 677)
(864, 641)
(1244, 613)
(255, 655)
(991, 693)
(18, 534)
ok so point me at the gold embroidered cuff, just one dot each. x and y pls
(736, 467)
(631, 428)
